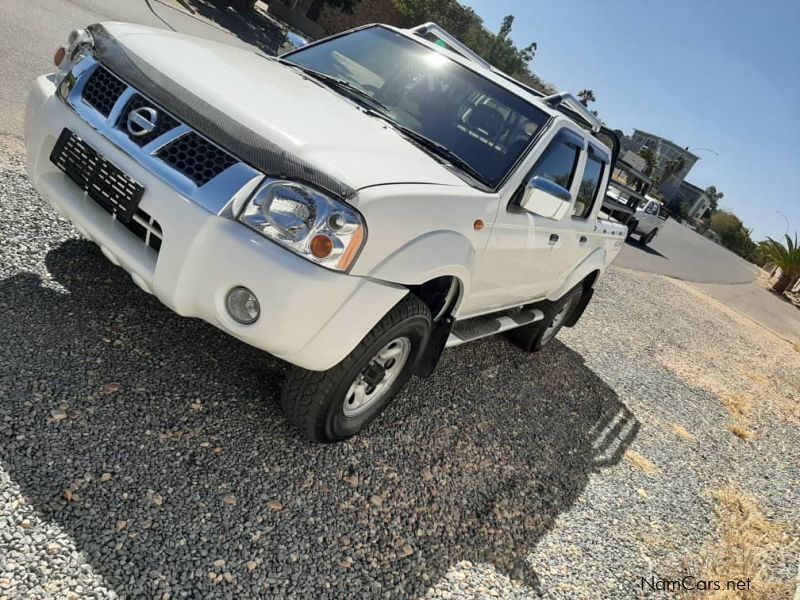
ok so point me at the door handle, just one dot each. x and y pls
(583, 239)
(553, 238)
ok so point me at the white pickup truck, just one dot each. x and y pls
(352, 207)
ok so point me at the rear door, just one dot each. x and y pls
(587, 203)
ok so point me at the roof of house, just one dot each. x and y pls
(667, 141)
(692, 187)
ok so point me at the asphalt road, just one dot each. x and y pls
(679, 252)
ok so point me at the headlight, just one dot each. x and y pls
(79, 44)
(307, 222)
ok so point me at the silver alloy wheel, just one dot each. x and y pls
(555, 324)
(389, 360)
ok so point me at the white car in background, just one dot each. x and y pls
(650, 216)
(352, 207)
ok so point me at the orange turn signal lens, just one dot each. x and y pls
(59, 56)
(352, 250)
(321, 246)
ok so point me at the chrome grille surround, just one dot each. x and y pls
(214, 194)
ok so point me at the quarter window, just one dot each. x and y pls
(587, 191)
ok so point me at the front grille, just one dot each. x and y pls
(102, 90)
(187, 161)
(164, 123)
(196, 157)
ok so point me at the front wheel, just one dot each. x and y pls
(336, 404)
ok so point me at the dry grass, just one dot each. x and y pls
(740, 432)
(742, 363)
(758, 378)
(682, 433)
(741, 408)
(641, 463)
(747, 543)
(739, 405)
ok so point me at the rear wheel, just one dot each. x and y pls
(537, 335)
(646, 239)
(336, 404)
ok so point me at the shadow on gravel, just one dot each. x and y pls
(200, 456)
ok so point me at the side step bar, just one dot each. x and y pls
(476, 328)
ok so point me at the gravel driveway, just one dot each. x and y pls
(144, 455)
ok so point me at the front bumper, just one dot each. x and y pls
(310, 316)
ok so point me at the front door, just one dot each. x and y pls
(528, 253)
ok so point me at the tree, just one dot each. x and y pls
(315, 10)
(786, 258)
(734, 235)
(650, 159)
(714, 197)
(672, 167)
(587, 96)
(467, 27)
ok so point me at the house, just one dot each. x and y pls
(665, 151)
(693, 200)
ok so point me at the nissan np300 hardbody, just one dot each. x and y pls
(352, 207)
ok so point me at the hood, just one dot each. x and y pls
(268, 107)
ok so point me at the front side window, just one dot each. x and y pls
(587, 191)
(479, 127)
(558, 162)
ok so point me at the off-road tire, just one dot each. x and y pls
(646, 239)
(313, 400)
(529, 337)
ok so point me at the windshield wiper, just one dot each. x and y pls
(343, 85)
(444, 152)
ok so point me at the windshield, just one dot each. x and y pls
(482, 126)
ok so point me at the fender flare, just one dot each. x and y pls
(434, 254)
(596, 261)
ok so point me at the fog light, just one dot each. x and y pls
(242, 305)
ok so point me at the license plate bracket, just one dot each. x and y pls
(103, 181)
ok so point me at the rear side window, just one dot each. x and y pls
(558, 162)
(587, 192)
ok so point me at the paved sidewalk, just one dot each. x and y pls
(758, 304)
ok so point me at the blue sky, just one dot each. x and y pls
(719, 74)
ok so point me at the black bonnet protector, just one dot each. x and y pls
(247, 145)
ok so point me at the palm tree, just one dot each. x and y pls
(586, 96)
(713, 196)
(673, 166)
(786, 258)
(649, 158)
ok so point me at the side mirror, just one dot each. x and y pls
(545, 198)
